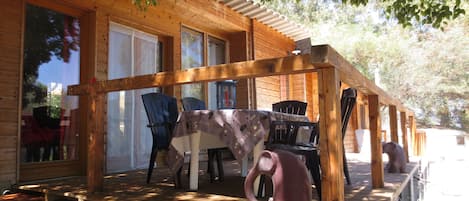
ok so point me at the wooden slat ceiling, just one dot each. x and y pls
(268, 17)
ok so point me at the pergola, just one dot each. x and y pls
(323, 59)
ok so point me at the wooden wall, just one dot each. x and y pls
(269, 44)
(164, 20)
(11, 21)
(247, 39)
(239, 51)
(312, 96)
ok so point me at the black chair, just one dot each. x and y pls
(191, 103)
(290, 107)
(162, 115)
(48, 119)
(283, 136)
(347, 103)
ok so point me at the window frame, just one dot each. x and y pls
(205, 45)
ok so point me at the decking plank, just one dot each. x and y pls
(132, 186)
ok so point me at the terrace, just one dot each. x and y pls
(370, 181)
(231, 188)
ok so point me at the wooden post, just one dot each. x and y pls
(413, 134)
(95, 132)
(393, 124)
(404, 135)
(377, 171)
(332, 179)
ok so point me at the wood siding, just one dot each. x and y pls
(239, 51)
(164, 20)
(11, 17)
(269, 44)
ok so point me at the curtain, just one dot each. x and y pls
(129, 141)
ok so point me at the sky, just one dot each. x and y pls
(59, 72)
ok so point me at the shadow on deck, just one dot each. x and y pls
(132, 186)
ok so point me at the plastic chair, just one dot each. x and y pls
(162, 115)
(283, 136)
(191, 103)
(347, 103)
(290, 107)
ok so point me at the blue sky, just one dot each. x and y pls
(60, 72)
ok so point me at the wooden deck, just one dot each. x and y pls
(132, 186)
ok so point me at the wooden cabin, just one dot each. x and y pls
(50, 45)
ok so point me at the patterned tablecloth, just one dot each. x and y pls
(238, 129)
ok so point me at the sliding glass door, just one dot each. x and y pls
(49, 117)
(131, 53)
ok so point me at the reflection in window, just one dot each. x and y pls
(216, 55)
(49, 118)
(192, 47)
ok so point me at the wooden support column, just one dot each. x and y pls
(393, 124)
(413, 133)
(95, 131)
(404, 135)
(332, 178)
(377, 171)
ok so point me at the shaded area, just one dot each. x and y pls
(132, 186)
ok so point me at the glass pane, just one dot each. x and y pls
(192, 56)
(216, 51)
(120, 57)
(119, 127)
(146, 59)
(216, 55)
(49, 118)
(129, 141)
(143, 137)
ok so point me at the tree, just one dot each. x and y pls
(407, 12)
(47, 34)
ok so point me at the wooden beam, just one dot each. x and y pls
(322, 56)
(377, 171)
(330, 135)
(95, 170)
(326, 55)
(238, 70)
(404, 135)
(393, 123)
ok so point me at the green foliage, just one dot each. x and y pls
(426, 68)
(47, 34)
(144, 4)
(407, 12)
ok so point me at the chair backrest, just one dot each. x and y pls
(191, 103)
(349, 97)
(162, 115)
(286, 132)
(43, 115)
(290, 107)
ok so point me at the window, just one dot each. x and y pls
(131, 53)
(216, 55)
(193, 48)
(192, 55)
(49, 118)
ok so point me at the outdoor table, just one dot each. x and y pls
(242, 131)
